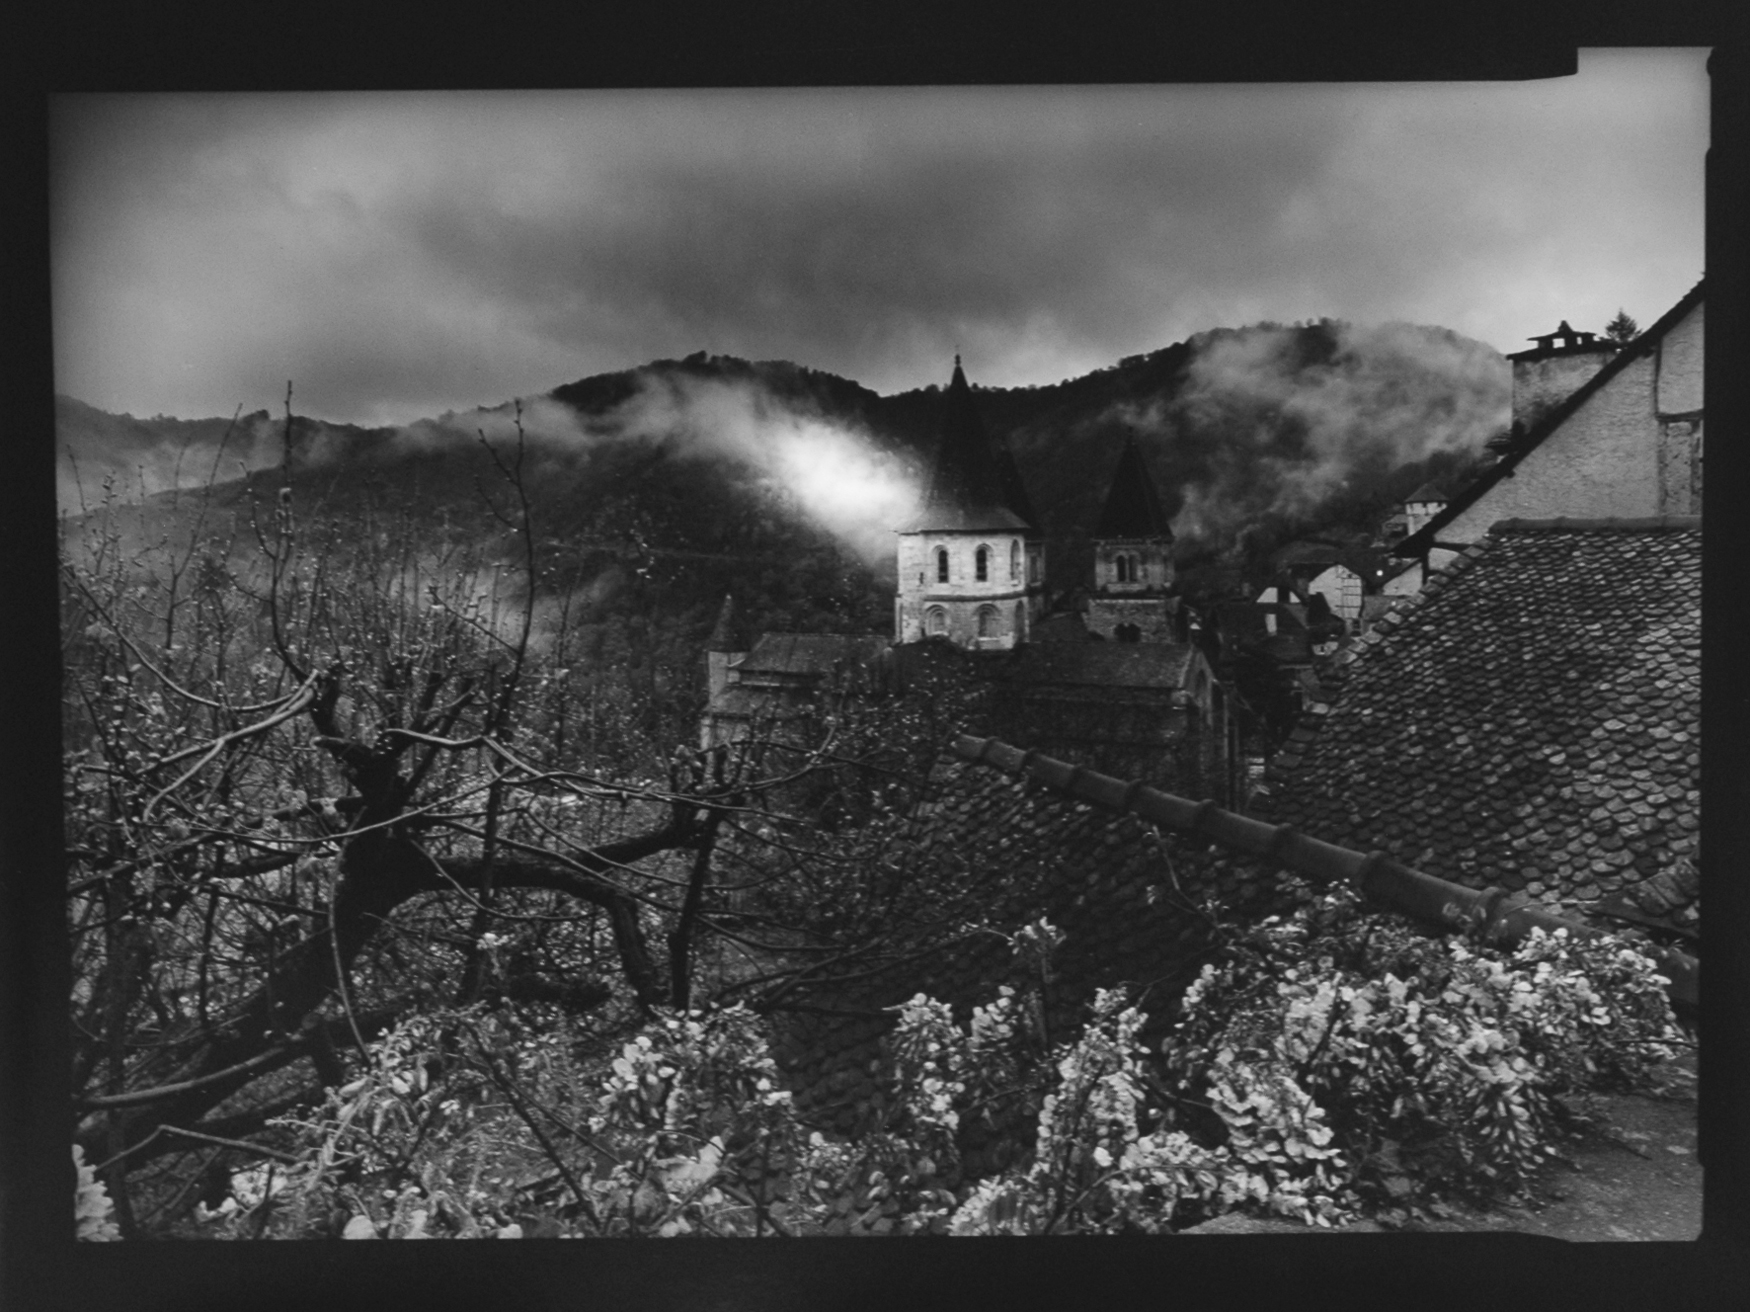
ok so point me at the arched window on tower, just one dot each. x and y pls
(987, 621)
(1121, 568)
(941, 564)
(935, 621)
(1015, 560)
(981, 564)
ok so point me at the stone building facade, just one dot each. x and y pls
(972, 561)
(1133, 559)
(1553, 370)
(1627, 444)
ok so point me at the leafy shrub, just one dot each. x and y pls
(1439, 1066)
(1336, 1062)
(93, 1212)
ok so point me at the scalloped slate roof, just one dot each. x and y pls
(1531, 720)
(1133, 507)
(974, 481)
(1101, 877)
(809, 654)
(730, 632)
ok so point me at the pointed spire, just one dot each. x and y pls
(975, 482)
(1133, 507)
(730, 633)
(1427, 492)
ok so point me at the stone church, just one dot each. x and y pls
(972, 561)
(1108, 679)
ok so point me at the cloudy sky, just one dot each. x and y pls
(399, 255)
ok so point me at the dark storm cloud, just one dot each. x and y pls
(402, 255)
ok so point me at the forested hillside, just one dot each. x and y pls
(655, 491)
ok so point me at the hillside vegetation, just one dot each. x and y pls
(658, 490)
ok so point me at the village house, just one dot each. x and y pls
(1626, 442)
(1411, 514)
(771, 687)
(1355, 583)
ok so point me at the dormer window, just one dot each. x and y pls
(941, 564)
(981, 564)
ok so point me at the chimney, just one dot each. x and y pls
(1554, 369)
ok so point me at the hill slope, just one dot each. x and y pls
(654, 491)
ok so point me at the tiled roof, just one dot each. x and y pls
(1004, 837)
(974, 482)
(1147, 665)
(1374, 606)
(809, 653)
(1309, 552)
(989, 847)
(1066, 626)
(730, 632)
(1530, 720)
(1133, 507)
(1417, 543)
(1572, 343)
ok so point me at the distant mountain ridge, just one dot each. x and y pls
(1239, 426)
(655, 491)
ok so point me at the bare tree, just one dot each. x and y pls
(321, 775)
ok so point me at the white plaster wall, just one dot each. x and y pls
(1680, 366)
(1341, 588)
(1680, 466)
(1418, 513)
(1541, 385)
(1613, 457)
(1403, 585)
(1601, 463)
(1438, 559)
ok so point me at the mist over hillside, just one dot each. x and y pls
(1253, 435)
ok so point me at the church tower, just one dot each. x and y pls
(972, 561)
(1133, 561)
